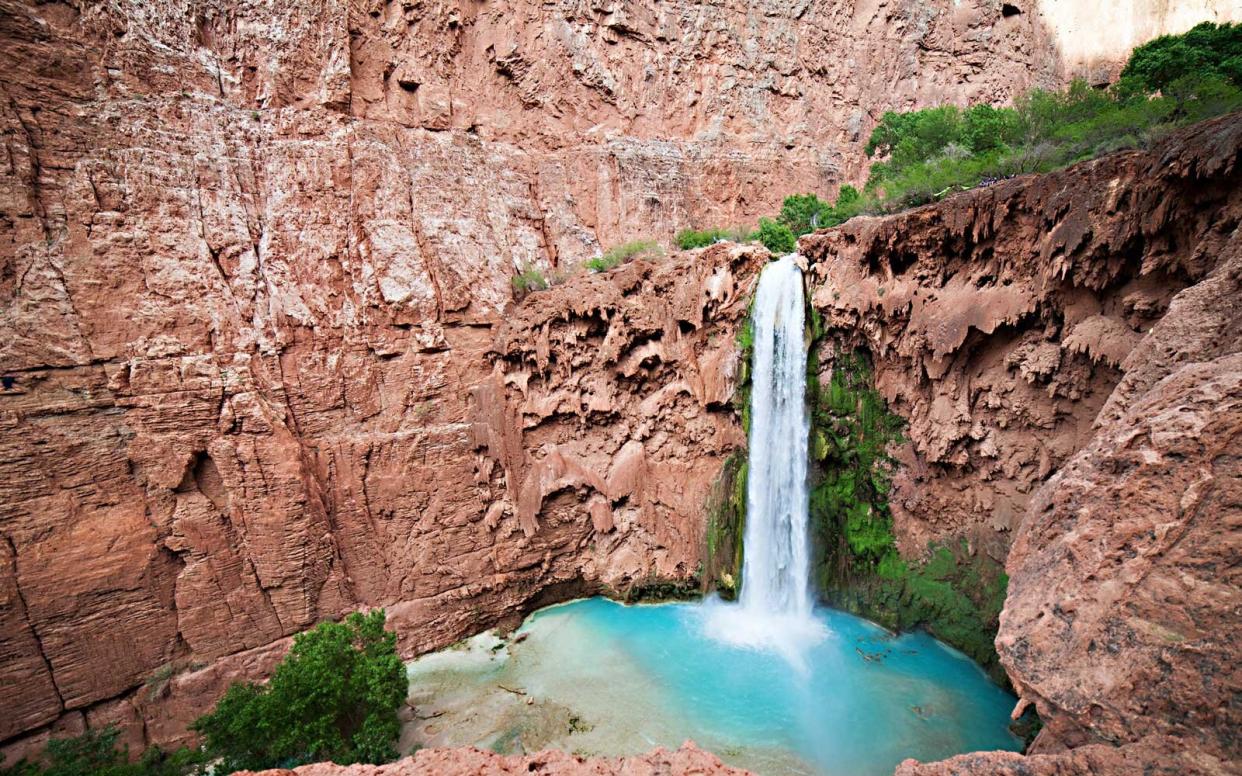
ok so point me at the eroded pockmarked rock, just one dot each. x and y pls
(1067, 351)
(1008, 323)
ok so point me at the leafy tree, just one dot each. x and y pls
(985, 128)
(804, 213)
(334, 697)
(1208, 50)
(910, 138)
(776, 237)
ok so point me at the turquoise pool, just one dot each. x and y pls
(597, 677)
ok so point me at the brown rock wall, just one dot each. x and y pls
(1001, 320)
(261, 363)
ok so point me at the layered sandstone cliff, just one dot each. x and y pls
(251, 261)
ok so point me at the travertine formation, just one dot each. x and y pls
(689, 760)
(1068, 349)
(1002, 320)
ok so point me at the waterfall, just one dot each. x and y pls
(775, 607)
(776, 565)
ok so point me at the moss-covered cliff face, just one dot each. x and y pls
(955, 594)
(726, 504)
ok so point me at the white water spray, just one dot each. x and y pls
(774, 611)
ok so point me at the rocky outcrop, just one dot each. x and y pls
(1068, 350)
(251, 260)
(689, 760)
(1125, 570)
(449, 483)
(1004, 321)
(1154, 755)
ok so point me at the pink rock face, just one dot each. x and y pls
(1067, 350)
(1153, 754)
(689, 760)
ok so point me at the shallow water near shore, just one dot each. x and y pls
(599, 678)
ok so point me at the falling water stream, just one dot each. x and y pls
(771, 683)
(776, 564)
(774, 611)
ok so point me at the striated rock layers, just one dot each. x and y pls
(689, 760)
(195, 509)
(258, 360)
(1068, 350)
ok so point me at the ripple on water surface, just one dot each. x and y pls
(600, 678)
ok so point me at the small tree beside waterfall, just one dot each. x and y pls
(334, 697)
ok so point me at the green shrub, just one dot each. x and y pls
(334, 697)
(804, 213)
(530, 279)
(776, 237)
(95, 753)
(688, 239)
(619, 255)
(933, 152)
(1208, 50)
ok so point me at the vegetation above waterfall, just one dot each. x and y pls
(927, 154)
(1169, 82)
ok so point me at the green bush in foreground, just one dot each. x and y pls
(334, 697)
(95, 752)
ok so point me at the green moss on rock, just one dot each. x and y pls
(726, 522)
(953, 593)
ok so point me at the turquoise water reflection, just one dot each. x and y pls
(866, 700)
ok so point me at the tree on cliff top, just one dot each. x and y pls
(334, 697)
(1207, 50)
